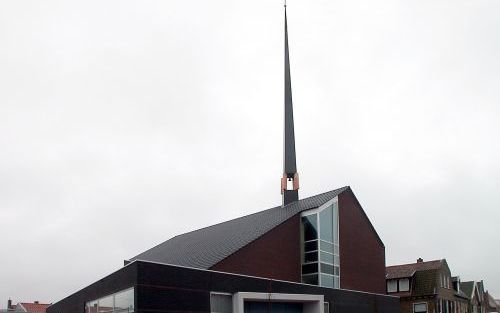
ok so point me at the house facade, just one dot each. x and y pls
(425, 287)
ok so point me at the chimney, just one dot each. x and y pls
(9, 304)
(420, 260)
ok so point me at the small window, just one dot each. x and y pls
(420, 308)
(221, 303)
(392, 285)
(404, 284)
(326, 309)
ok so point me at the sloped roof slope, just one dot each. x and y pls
(34, 307)
(467, 287)
(407, 270)
(208, 246)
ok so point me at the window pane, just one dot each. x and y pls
(326, 308)
(91, 307)
(124, 301)
(310, 227)
(311, 257)
(326, 257)
(327, 268)
(336, 223)
(105, 304)
(310, 268)
(310, 279)
(336, 282)
(311, 246)
(220, 303)
(392, 285)
(336, 270)
(404, 284)
(325, 246)
(326, 281)
(420, 307)
(326, 224)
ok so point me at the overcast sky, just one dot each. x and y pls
(124, 123)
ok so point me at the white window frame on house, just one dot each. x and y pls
(420, 303)
(393, 283)
(408, 284)
(311, 303)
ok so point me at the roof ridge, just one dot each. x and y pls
(415, 263)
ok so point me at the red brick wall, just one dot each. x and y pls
(274, 255)
(362, 254)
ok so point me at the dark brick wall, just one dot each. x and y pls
(362, 253)
(277, 254)
(165, 289)
(274, 255)
(161, 288)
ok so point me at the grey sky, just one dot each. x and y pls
(124, 123)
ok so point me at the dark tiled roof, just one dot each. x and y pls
(467, 287)
(206, 247)
(407, 270)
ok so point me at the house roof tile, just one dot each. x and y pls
(408, 270)
(34, 307)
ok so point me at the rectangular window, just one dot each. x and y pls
(105, 305)
(404, 284)
(326, 309)
(327, 281)
(120, 302)
(221, 303)
(392, 285)
(310, 227)
(420, 308)
(326, 257)
(124, 301)
(310, 279)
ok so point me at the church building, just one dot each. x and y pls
(315, 255)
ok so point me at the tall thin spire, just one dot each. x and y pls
(290, 179)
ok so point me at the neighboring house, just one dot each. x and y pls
(475, 292)
(35, 307)
(491, 305)
(26, 307)
(315, 255)
(425, 287)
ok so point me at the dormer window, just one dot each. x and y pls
(398, 285)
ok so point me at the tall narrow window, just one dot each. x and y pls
(320, 249)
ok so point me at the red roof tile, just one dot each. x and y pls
(407, 270)
(35, 307)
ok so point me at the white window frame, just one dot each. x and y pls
(417, 303)
(399, 284)
(387, 285)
